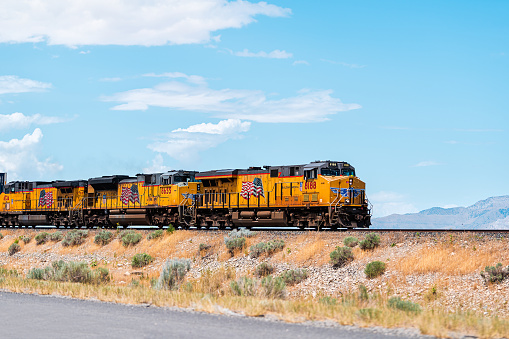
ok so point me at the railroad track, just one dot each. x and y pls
(267, 229)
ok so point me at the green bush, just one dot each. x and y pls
(173, 272)
(25, 238)
(56, 236)
(374, 269)
(404, 305)
(274, 287)
(495, 274)
(103, 238)
(41, 238)
(74, 238)
(268, 248)
(155, 235)
(130, 238)
(351, 241)
(244, 287)
(141, 259)
(293, 277)
(233, 244)
(341, 256)
(203, 247)
(70, 272)
(170, 229)
(14, 248)
(1, 236)
(371, 241)
(264, 269)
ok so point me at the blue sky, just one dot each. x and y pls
(413, 94)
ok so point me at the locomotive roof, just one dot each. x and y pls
(225, 173)
(69, 183)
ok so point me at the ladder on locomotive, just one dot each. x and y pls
(333, 209)
(76, 213)
(187, 213)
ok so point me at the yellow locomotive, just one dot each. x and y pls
(321, 194)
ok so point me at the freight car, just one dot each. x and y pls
(321, 194)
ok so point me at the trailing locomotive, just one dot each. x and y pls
(321, 194)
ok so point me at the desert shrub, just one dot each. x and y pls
(141, 259)
(25, 238)
(273, 287)
(5, 272)
(1, 236)
(264, 269)
(371, 241)
(70, 272)
(351, 241)
(170, 229)
(341, 256)
(268, 248)
(233, 244)
(56, 236)
(41, 238)
(329, 301)
(404, 305)
(241, 233)
(130, 238)
(155, 235)
(495, 274)
(173, 272)
(74, 238)
(244, 287)
(374, 269)
(293, 277)
(203, 247)
(103, 238)
(14, 248)
(36, 273)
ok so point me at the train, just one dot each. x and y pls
(316, 195)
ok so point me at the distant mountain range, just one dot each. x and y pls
(492, 213)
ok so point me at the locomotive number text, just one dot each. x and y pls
(165, 190)
(310, 185)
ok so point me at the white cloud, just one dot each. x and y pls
(426, 164)
(195, 95)
(157, 165)
(275, 54)
(184, 144)
(300, 62)
(194, 79)
(126, 22)
(18, 157)
(15, 84)
(19, 120)
(387, 203)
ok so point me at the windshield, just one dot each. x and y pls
(348, 172)
(330, 172)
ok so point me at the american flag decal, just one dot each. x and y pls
(46, 199)
(254, 188)
(130, 194)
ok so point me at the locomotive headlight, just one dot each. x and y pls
(351, 181)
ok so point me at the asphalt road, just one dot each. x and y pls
(34, 316)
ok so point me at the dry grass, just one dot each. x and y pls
(452, 259)
(206, 298)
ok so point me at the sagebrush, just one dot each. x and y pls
(341, 256)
